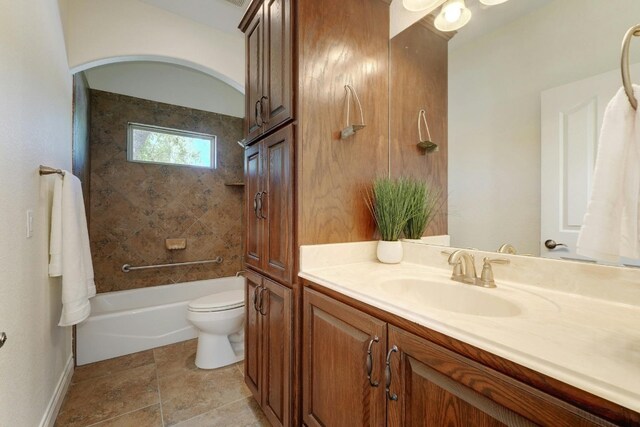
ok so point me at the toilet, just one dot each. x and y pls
(219, 319)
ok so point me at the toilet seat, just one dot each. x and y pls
(221, 301)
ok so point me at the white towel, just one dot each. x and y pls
(55, 241)
(611, 225)
(70, 251)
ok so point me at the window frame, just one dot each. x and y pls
(131, 126)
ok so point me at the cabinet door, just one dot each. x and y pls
(252, 335)
(436, 387)
(253, 224)
(336, 390)
(277, 81)
(277, 353)
(254, 78)
(277, 201)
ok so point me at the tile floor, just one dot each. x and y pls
(156, 388)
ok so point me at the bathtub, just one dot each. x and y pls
(125, 322)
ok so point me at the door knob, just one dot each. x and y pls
(3, 339)
(551, 244)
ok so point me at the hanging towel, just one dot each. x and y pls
(70, 251)
(55, 241)
(611, 225)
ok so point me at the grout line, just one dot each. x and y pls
(120, 415)
(214, 409)
(112, 373)
(158, 384)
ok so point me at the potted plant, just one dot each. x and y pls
(425, 204)
(391, 206)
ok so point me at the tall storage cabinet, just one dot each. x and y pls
(303, 185)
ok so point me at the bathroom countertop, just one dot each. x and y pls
(590, 343)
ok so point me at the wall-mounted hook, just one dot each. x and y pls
(351, 129)
(426, 144)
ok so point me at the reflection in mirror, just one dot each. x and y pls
(528, 83)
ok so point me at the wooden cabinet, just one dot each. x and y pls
(268, 355)
(343, 359)
(419, 382)
(269, 205)
(269, 91)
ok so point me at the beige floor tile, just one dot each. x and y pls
(189, 394)
(240, 366)
(176, 358)
(89, 402)
(147, 417)
(243, 413)
(112, 366)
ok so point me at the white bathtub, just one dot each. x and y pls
(125, 322)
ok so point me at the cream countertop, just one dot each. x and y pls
(585, 333)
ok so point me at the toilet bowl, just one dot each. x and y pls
(219, 319)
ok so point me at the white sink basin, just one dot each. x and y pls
(453, 297)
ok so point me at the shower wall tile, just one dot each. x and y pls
(134, 207)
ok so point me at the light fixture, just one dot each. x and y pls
(419, 5)
(453, 15)
(492, 2)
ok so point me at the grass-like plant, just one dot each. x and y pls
(425, 202)
(391, 205)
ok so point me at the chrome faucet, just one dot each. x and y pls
(464, 269)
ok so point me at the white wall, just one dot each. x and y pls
(99, 32)
(494, 112)
(168, 83)
(35, 127)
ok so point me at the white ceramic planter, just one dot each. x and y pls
(389, 252)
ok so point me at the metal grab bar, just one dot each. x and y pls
(128, 267)
(48, 170)
(624, 64)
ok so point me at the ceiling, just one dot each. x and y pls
(223, 15)
(486, 19)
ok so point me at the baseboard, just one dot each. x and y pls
(49, 418)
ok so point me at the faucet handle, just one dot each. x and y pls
(488, 260)
(486, 277)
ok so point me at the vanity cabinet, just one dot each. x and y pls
(268, 38)
(268, 346)
(408, 380)
(269, 205)
(343, 355)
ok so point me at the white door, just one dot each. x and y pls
(571, 119)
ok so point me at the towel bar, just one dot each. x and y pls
(128, 267)
(48, 170)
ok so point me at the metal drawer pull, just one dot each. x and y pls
(265, 98)
(262, 302)
(255, 297)
(3, 339)
(370, 362)
(255, 205)
(387, 374)
(261, 215)
(259, 124)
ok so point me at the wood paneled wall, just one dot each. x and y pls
(418, 80)
(340, 42)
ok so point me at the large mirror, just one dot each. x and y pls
(518, 127)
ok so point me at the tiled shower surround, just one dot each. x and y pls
(135, 206)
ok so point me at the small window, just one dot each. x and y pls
(153, 144)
